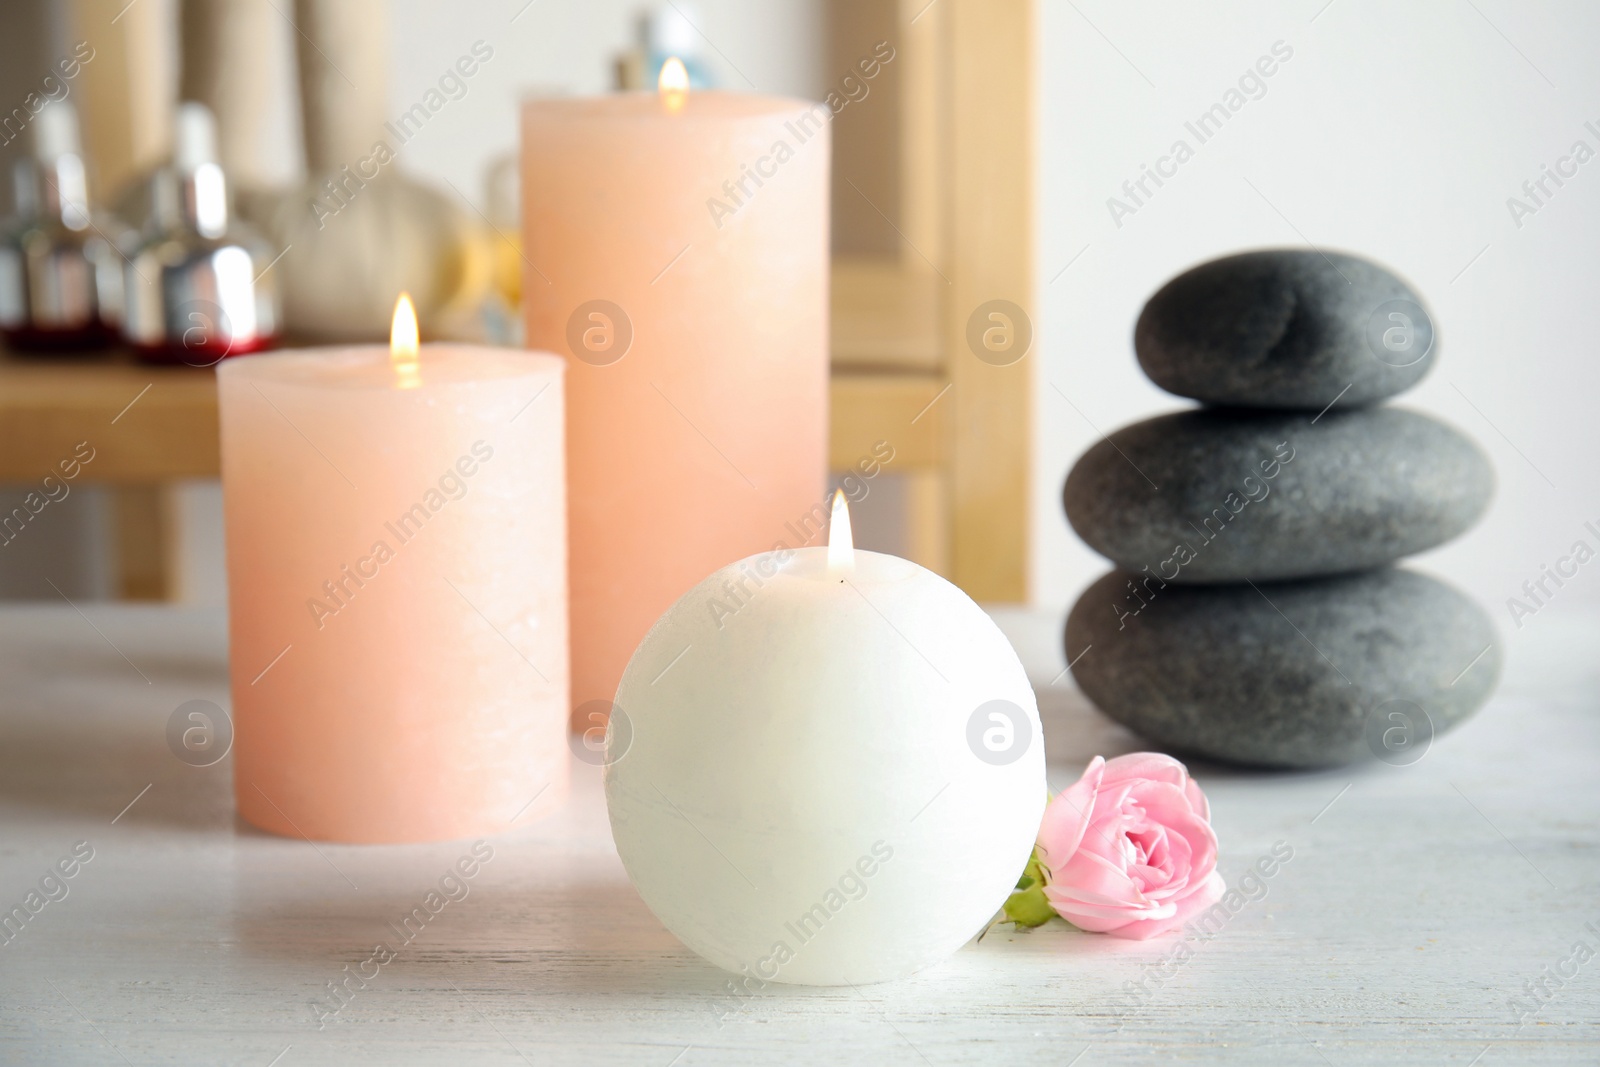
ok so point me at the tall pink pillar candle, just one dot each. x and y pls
(677, 251)
(396, 541)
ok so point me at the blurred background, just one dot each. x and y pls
(1405, 134)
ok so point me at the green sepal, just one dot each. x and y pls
(1028, 906)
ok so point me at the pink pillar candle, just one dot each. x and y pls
(677, 250)
(396, 539)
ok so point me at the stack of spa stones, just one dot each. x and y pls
(1254, 616)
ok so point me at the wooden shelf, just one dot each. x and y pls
(150, 425)
(885, 316)
(904, 410)
(49, 405)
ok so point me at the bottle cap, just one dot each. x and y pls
(55, 132)
(670, 32)
(196, 139)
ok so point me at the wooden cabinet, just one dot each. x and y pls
(932, 222)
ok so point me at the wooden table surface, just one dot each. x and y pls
(1419, 901)
(146, 424)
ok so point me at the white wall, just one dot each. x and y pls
(1397, 131)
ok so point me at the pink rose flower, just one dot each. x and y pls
(1129, 849)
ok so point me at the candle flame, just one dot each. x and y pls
(403, 342)
(841, 545)
(673, 85)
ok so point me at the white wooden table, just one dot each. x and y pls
(1418, 902)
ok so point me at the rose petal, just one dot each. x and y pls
(1197, 800)
(1107, 829)
(1171, 809)
(1201, 842)
(1075, 911)
(1205, 895)
(1083, 898)
(1067, 817)
(1128, 849)
(1146, 766)
(1101, 920)
(1089, 872)
(1160, 801)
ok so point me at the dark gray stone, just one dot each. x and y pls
(1189, 495)
(1285, 674)
(1282, 329)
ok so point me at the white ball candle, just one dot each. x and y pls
(825, 766)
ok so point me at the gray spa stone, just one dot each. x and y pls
(1285, 329)
(1214, 495)
(1285, 674)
